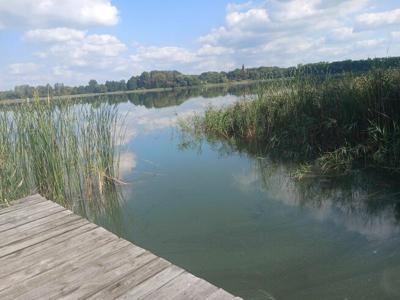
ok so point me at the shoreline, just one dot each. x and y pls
(138, 91)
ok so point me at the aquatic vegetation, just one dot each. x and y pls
(335, 122)
(66, 153)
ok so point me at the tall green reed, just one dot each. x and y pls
(337, 122)
(67, 153)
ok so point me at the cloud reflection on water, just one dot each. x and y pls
(344, 205)
(351, 205)
(143, 118)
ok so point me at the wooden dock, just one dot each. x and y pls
(48, 252)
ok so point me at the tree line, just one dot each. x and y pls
(174, 79)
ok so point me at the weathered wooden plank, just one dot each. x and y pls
(63, 280)
(108, 274)
(198, 291)
(20, 244)
(174, 287)
(155, 282)
(31, 229)
(30, 218)
(28, 199)
(22, 203)
(23, 213)
(220, 294)
(27, 289)
(50, 257)
(49, 252)
(28, 229)
(131, 280)
(17, 255)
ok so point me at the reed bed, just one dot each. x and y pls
(67, 153)
(332, 124)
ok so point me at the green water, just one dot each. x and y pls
(243, 223)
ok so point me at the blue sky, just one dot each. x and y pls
(73, 41)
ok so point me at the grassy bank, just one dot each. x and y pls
(66, 153)
(332, 124)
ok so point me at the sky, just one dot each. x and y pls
(73, 41)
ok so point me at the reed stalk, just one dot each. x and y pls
(67, 153)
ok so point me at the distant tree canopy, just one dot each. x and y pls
(173, 79)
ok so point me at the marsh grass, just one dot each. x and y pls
(67, 153)
(335, 123)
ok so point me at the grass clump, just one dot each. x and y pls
(66, 153)
(335, 122)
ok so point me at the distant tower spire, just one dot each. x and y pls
(243, 72)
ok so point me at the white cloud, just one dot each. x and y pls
(62, 71)
(352, 6)
(105, 44)
(209, 50)
(70, 56)
(294, 31)
(333, 51)
(59, 34)
(253, 18)
(22, 68)
(342, 33)
(289, 45)
(239, 6)
(206, 58)
(370, 43)
(23, 73)
(379, 19)
(162, 54)
(260, 35)
(298, 9)
(42, 13)
(266, 32)
(395, 35)
(76, 48)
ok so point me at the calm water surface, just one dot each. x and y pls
(243, 223)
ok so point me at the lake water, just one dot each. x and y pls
(242, 222)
